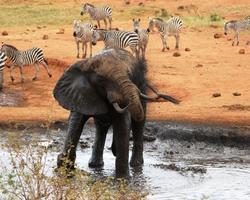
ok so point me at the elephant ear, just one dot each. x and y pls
(74, 92)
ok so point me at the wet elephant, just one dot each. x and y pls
(110, 87)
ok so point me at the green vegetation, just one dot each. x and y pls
(215, 17)
(29, 175)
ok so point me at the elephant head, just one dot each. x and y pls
(93, 85)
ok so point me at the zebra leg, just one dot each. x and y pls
(110, 22)
(77, 47)
(98, 22)
(85, 49)
(177, 38)
(135, 50)
(237, 36)
(45, 65)
(11, 68)
(1, 80)
(37, 68)
(21, 73)
(90, 49)
(164, 43)
(106, 24)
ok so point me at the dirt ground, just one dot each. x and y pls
(212, 66)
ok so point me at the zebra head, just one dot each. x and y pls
(76, 28)
(151, 24)
(95, 37)
(228, 25)
(85, 8)
(136, 24)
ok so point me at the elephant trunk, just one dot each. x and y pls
(131, 94)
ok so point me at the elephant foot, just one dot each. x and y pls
(136, 161)
(84, 56)
(65, 163)
(22, 80)
(96, 163)
(77, 56)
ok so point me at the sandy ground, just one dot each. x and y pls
(212, 66)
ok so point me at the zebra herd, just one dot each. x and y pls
(136, 39)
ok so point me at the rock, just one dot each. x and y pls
(242, 51)
(38, 27)
(176, 54)
(4, 33)
(214, 26)
(180, 7)
(216, 94)
(141, 4)
(61, 31)
(237, 94)
(45, 37)
(217, 35)
(127, 2)
(187, 49)
(199, 65)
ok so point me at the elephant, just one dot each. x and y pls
(111, 88)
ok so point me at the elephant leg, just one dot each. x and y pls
(137, 130)
(137, 152)
(102, 125)
(121, 127)
(67, 157)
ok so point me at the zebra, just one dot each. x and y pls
(117, 39)
(237, 26)
(172, 27)
(83, 34)
(3, 59)
(28, 57)
(98, 13)
(143, 36)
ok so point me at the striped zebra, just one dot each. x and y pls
(98, 13)
(172, 27)
(3, 59)
(143, 36)
(117, 39)
(83, 34)
(237, 26)
(22, 58)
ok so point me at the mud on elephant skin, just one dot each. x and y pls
(111, 88)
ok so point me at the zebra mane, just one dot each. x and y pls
(88, 4)
(10, 46)
(232, 21)
(159, 19)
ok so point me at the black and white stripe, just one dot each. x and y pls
(143, 36)
(237, 27)
(22, 58)
(172, 27)
(117, 39)
(3, 59)
(98, 13)
(82, 33)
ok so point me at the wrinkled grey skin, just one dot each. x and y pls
(78, 80)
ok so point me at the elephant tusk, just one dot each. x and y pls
(118, 108)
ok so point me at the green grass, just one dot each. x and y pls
(26, 15)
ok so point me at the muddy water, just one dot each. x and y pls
(173, 169)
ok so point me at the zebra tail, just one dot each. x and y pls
(46, 61)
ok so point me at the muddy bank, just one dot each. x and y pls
(163, 130)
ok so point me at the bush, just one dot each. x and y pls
(215, 17)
